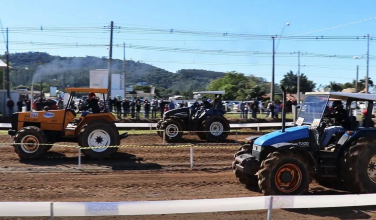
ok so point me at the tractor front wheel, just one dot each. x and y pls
(359, 166)
(96, 135)
(283, 173)
(30, 143)
(173, 130)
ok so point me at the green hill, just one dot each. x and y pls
(74, 71)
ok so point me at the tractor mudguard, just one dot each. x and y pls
(349, 137)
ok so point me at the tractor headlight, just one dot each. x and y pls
(256, 147)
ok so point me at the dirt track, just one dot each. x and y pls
(136, 174)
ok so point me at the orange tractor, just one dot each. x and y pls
(35, 132)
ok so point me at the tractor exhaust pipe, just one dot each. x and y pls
(284, 109)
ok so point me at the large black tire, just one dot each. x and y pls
(217, 128)
(48, 147)
(173, 130)
(159, 128)
(284, 173)
(100, 133)
(33, 140)
(359, 166)
(201, 135)
(249, 181)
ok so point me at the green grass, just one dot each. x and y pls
(259, 116)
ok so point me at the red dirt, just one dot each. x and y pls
(137, 174)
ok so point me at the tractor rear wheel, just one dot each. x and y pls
(283, 173)
(359, 166)
(173, 130)
(96, 135)
(31, 143)
(217, 128)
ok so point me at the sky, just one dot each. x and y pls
(216, 35)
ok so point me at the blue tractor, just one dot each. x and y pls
(327, 143)
(206, 119)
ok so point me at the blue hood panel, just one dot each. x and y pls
(291, 134)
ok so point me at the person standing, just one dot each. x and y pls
(109, 103)
(126, 107)
(272, 107)
(242, 107)
(19, 104)
(10, 105)
(171, 105)
(254, 109)
(154, 106)
(133, 107)
(147, 109)
(118, 107)
(114, 103)
(28, 104)
(246, 108)
(138, 109)
(276, 110)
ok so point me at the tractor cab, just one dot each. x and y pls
(330, 142)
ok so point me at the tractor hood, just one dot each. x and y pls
(290, 135)
(177, 112)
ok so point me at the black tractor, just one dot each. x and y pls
(328, 143)
(206, 119)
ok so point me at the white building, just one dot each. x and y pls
(99, 79)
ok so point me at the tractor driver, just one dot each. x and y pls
(340, 122)
(217, 103)
(206, 103)
(92, 103)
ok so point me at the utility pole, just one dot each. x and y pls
(272, 83)
(7, 76)
(110, 61)
(124, 73)
(357, 75)
(298, 83)
(367, 63)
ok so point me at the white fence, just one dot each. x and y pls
(59, 209)
(153, 125)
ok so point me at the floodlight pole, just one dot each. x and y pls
(273, 68)
(298, 83)
(7, 75)
(110, 62)
(367, 63)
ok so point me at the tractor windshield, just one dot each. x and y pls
(312, 109)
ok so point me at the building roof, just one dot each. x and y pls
(2, 65)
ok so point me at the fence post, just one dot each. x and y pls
(52, 210)
(191, 158)
(258, 126)
(164, 137)
(79, 157)
(270, 208)
(236, 135)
